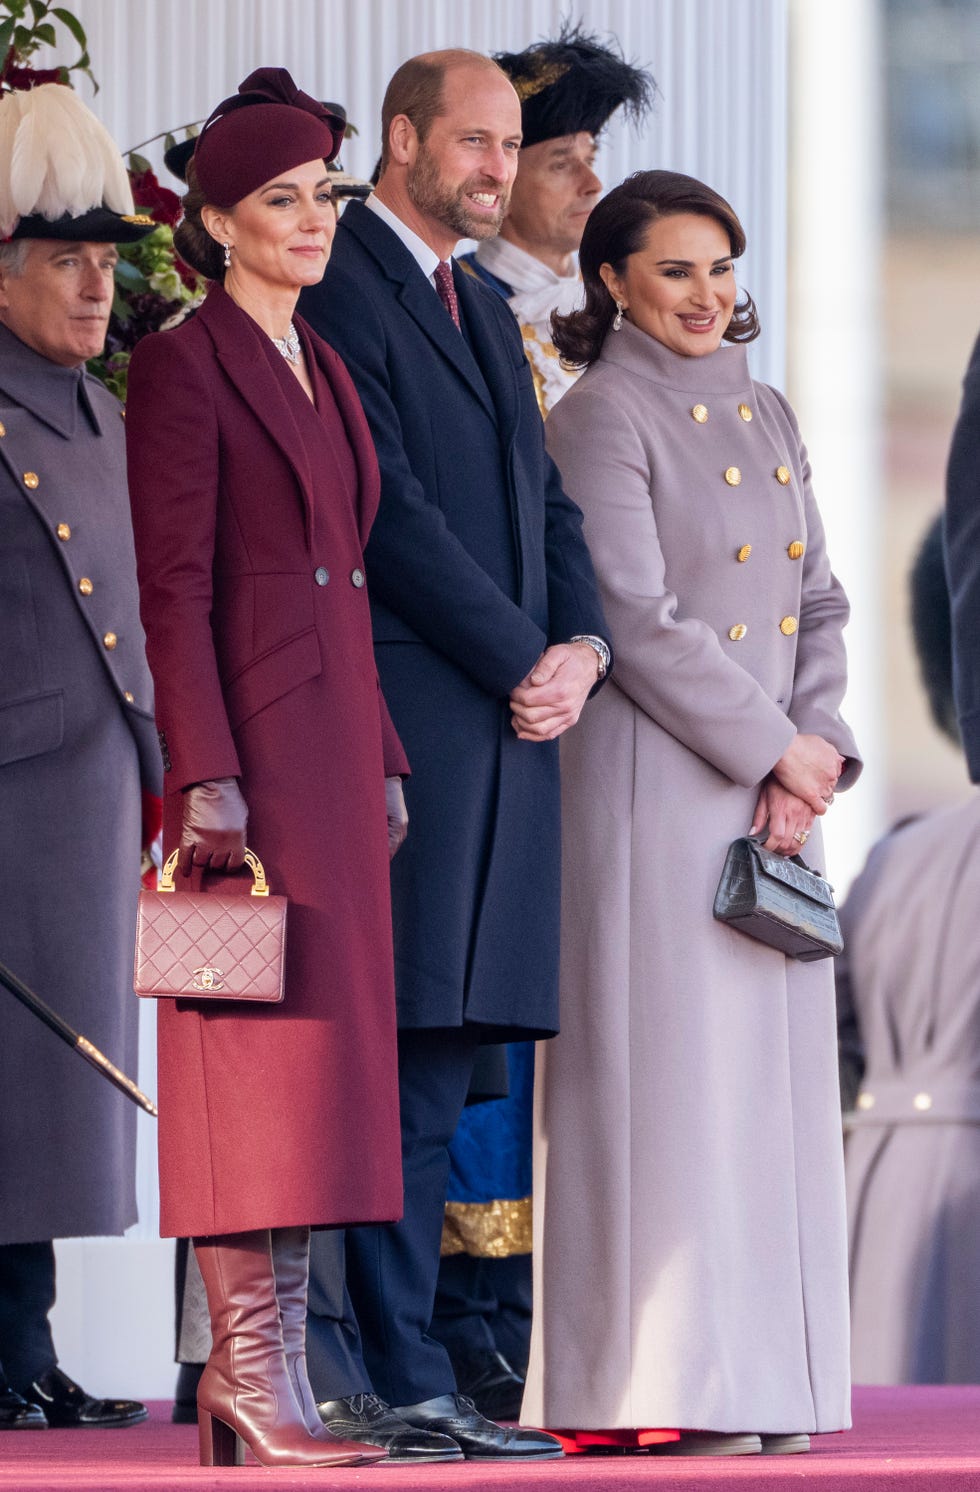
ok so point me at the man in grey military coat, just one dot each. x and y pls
(78, 746)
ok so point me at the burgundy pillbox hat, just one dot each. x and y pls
(267, 127)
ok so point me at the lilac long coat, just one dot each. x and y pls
(690, 1246)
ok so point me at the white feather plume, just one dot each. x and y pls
(56, 158)
(9, 121)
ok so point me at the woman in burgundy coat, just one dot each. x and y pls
(254, 484)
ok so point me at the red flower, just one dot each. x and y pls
(160, 202)
(29, 77)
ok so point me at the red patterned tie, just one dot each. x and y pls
(443, 276)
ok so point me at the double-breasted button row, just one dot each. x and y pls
(700, 413)
(787, 627)
(733, 476)
(796, 551)
(322, 577)
(922, 1102)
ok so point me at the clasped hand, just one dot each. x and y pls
(800, 787)
(550, 699)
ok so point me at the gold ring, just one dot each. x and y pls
(801, 836)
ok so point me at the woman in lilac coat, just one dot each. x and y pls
(692, 1094)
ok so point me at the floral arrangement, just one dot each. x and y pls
(153, 285)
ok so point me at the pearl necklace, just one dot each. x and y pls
(289, 344)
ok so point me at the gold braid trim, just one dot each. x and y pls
(528, 87)
(487, 1230)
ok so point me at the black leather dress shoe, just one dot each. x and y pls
(369, 1420)
(489, 1380)
(17, 1414)
(479, 1439)
(66, 1406)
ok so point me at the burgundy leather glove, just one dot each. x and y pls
(213, 829)
(397, 814)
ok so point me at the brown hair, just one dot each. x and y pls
(616, 228)
(416, 90)
(192, 240)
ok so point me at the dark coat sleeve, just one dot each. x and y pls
(962, 534)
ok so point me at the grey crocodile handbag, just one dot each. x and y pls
(778, 900)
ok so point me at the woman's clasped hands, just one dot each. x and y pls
(799, 788)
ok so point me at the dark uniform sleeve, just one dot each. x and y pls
(962, 533)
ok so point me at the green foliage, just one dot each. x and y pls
(26, 25)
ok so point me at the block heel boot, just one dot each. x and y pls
(291, 1263)
(245, 1397)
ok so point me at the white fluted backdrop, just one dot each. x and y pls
(720, 115)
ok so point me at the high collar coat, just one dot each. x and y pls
(476, 564)
(76, 744)
(250, 514)
(692, 1093)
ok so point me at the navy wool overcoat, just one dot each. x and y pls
(476, 564)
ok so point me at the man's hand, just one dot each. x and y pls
(550, 699)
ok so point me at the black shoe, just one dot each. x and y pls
(66, 1406)
(17, 1414)
(489, 1380)
(479, 1439)
(184, 1411)
(369, 1420)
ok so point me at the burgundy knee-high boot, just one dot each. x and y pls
(245, 1393)
(291, 1262)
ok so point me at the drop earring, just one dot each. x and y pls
(618, 318)
(227, 249)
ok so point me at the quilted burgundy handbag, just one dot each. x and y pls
(214, 945)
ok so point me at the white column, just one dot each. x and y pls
(834, 351)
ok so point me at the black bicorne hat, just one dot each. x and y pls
(574, 84)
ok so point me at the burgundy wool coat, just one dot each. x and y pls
(250, 510)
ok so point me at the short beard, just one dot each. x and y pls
(428, 193)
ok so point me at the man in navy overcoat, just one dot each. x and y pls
(489, 637)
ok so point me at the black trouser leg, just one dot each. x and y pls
(27, 1292)
(392, 1270)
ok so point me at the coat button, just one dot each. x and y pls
(109, 641)
(63, 531)
(357, 578)
(320, 575)
(744, 413)
(866, 1101)
(795, 550)
(733, 476)
(743, 553)
(3, 430)
(129, 696)
(922, 1102)
(31, 479)
(85, 586)
(782, 475)
(700, 413)
(737, 632)
(788, 626)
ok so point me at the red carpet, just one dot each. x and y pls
(926, 1439)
